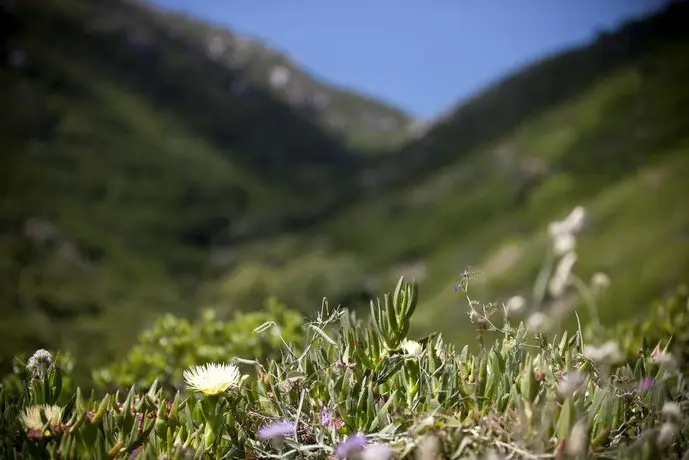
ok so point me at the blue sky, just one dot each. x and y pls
(423, 57)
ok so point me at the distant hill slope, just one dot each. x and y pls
(605, 126)
(155, 163)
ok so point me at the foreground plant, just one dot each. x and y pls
(355, 389)
(172, 344)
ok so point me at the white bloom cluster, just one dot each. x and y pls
(515, 305)
(560, 279)
(569, 383)
(537, 322)
(32, 419)
(599, 281)
(578, 443)
(562, 235)
(608, 353)
(562, 232)
(39, 363)
(671, 426)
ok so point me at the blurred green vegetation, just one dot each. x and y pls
(173, 344)
(141, 177)
(667, 324)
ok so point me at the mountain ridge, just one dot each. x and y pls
(342, 109)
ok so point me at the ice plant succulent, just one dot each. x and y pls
(32, 419)
(212, 378)
(580, 395)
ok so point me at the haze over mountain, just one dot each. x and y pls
(159, 164)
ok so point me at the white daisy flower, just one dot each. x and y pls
(213, 378)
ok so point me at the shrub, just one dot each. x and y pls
(174, 343)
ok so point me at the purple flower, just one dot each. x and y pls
(325, 415)
(457, 287)
(276, 430)
(350, 446)
(645, 384)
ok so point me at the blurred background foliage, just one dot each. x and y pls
(173, 344)
(144, 174)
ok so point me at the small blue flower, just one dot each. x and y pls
(349, 446)
(457, 287)
(276, 430)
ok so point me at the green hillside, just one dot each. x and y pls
(128, 158)
(151, 168)
(604, 126)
